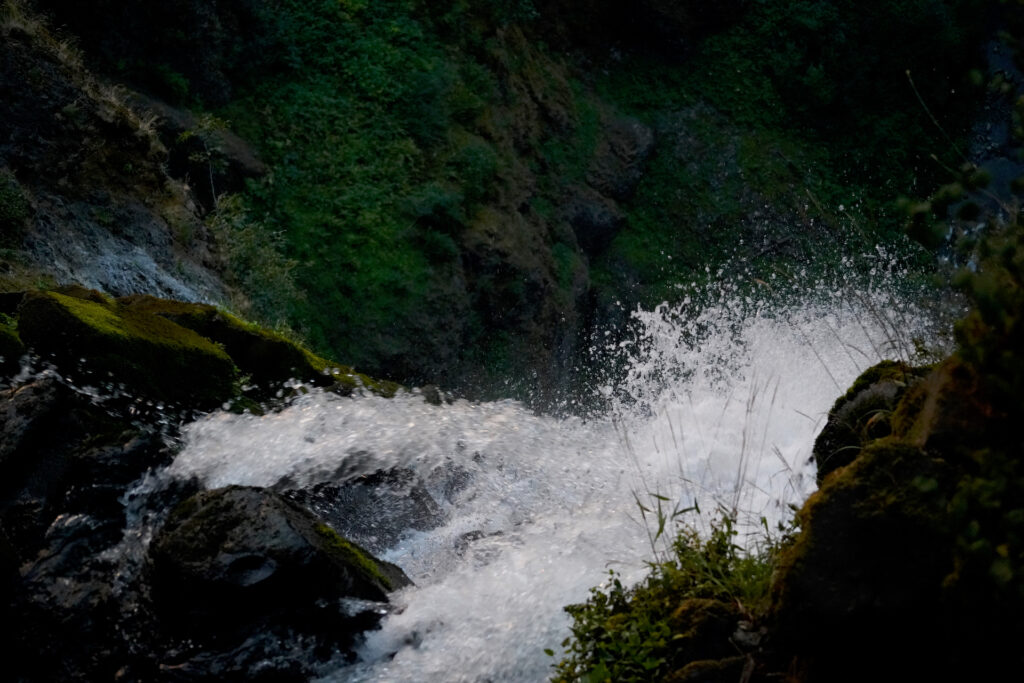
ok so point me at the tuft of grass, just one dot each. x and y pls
(110, 100)
(635, 633)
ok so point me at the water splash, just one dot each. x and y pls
(723, 397)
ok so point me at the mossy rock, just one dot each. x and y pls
(867, 568)
(908, 557)
(701, 629)
(948, 412)
(81, 292)
(238, 551)
(268, 358)
(11, 348)
(725, 670)
(862, 414)
(90, 336)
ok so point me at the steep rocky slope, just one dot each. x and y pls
(465, 195)
(87, 198)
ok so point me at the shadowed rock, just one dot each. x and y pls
(241, 576)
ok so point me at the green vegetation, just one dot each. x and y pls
(368, 125)
(255, 263)
(986, 505)
(413, 221)
(795, 131)
(685, 609)
(377, 128)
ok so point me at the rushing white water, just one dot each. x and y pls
(720, 406)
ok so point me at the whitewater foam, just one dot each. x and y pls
(720, 406)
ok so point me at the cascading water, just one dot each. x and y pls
(722, 400)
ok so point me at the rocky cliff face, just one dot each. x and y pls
(87, 195)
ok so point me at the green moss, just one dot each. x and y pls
(151, 354)
(11, 347)
(352, 555)
(266, 357)
(886, 371)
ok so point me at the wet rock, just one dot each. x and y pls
(44, 426)
(65, 466)
(240, 575)
(376, 509)
(108, 341)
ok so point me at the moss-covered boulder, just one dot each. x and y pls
(868, 566)
(266, 357)
(908, 563)
(102, 340)
(189, 354)
(232, 565)
(862, 414)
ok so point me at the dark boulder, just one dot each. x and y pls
(241, 574)
(65, 465)
(376, 509)
(862, 414)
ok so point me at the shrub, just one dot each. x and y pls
(255, 262)
(644, 632)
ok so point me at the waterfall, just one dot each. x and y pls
(723, 396)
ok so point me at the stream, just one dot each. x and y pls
(521, 514)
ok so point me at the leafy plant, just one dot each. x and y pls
(255, 263)
(630, 633)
